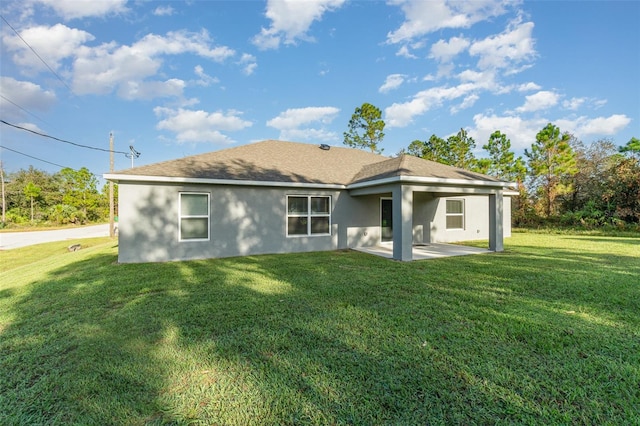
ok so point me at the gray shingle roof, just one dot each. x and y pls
(278, 161)
(408, 165)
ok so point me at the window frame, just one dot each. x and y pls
(181, 216)
(308, 215)
(448, 215)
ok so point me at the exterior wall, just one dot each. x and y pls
(476, 219)
(243, 221)
(252, 220)
(423, 209)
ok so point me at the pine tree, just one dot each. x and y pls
(460, 150)
(503, 163)
(366, 128)
(552, 160)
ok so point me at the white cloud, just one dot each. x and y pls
(294, 124)
(249, 63)
(53, 44)
(308, 135)
(132, 90)
(527, 87)
(393, 81)
(541, 100)
(521, 132)
(404, 52)
(105, 68)
(200, 126)
(507, 49)
(574, 104)
(296, 117)
(29, 97)
(445, 51)
(423, 17)
(291, 19)
(599, 103)
(178, 42)
(164, 11)
(205, 79)
(467, 102)
(402, 114)
(71, 9)
(585, 126)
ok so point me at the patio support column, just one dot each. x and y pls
(496, 218)
(402, 223)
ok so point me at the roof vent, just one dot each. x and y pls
(325, 147)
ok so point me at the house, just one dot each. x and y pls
(281, 197)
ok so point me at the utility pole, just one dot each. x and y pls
(4, 200)
(132, 154)
(112, 232)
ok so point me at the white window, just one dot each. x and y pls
(194, 216)
(455, 214)
(308, 215)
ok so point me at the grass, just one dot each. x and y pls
(547, 332)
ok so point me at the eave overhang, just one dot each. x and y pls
(117, 178)
(402, 180)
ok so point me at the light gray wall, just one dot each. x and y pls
(476, 225)
(243, 221)
(252, 220)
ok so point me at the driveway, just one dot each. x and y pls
(11, 240)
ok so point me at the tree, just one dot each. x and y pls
(622, 191)
(435, 149)
(456, 151)
(18, 206)
(460, 150)
(595, 164)
(503, 164)
(483, 165)
(632, 147)
(551, 160)
(79, 190)
(32, 191)
(365, 128)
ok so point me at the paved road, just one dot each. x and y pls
(11, 240)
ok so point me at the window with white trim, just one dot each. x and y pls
(308, 215)
(194, 216)
(455, 214)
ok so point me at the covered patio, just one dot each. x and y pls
(424, 251)
(412, 188)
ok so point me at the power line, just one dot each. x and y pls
(36, 53)
(35, 158)
(28, 112)
(61, 140)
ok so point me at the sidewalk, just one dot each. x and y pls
(11, 240)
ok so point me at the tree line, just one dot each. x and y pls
(37, 197)
(560, 180)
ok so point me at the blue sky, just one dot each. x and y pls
(182, 78)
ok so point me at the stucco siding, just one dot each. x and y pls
(476, 219)
(243, 221)
(252, 220)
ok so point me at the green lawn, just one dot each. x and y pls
(547, 332)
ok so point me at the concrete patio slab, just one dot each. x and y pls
(425, 251)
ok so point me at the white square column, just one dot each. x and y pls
(402, 223)
(496, 221)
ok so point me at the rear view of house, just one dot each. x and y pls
(282, 197)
